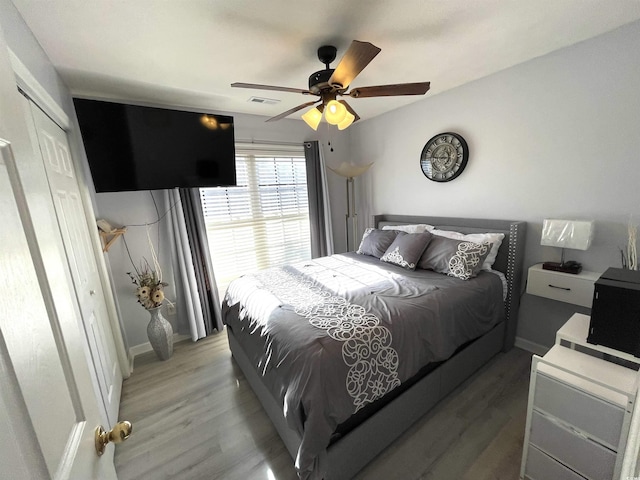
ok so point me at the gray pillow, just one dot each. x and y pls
(406, 249)
(375, 242)
(456, 258)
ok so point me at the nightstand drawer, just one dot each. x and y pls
(596, 417)
(572, 449)
(564, 287)
(541, 466)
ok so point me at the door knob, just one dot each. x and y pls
(119, 433)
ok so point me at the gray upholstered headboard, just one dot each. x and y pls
(509, 259)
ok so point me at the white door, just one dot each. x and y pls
(48, 406)
(51, 142)
(48, 409)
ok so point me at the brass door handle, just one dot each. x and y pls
(119, 433)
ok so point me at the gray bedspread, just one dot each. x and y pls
(332, 335)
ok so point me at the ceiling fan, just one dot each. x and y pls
(330, 83)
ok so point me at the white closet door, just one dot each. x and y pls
(48, 408)
(54, 148)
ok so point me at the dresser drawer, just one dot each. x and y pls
(564, 287)
(541, 466)
(596, 417)
(586, 457)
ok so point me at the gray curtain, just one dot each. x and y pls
(319, 208)
(196, 291)
(201, 259)
(187, 295)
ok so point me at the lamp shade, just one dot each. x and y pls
(349, 170)
(335, 112)
(575, 234)
(348, 120)
(313, 117)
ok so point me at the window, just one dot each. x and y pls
(264, 221)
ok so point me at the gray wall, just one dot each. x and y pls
(555, 136)
(26, 47)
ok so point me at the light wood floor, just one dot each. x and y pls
(195, 417)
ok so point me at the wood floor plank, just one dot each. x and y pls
(195, 417)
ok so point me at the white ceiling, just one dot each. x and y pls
(187, 53)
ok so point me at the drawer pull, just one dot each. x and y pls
(560, 288)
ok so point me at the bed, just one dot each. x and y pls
(346, 352)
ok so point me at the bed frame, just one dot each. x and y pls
(353, 451)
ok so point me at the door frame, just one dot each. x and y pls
(30, 85)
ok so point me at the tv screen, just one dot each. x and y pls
(143, 148)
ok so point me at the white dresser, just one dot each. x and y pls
(579, 410)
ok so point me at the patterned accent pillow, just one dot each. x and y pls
(375, 242)
(406, 249)
(455, 258)
(495, 239)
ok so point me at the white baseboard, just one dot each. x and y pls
(146, 347)
(531, 346)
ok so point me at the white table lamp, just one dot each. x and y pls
(574, 234)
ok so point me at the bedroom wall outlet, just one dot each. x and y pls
(171, 309)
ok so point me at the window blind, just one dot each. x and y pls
(264, 221)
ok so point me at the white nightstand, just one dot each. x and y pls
(564, 287)
(579, 411)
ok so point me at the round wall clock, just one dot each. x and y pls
(444, 157)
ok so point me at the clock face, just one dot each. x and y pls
(444, 157)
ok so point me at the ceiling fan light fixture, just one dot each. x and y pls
(348, 120)
(313, 117)
(209, 121)
(335, 112)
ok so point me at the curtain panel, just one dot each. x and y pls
(194, 280)
(319, 208)
(201, 259)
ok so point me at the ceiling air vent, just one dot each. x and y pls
(263, 100)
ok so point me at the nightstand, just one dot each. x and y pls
(579, 410)
(564, 287)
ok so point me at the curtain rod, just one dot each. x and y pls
(271, 142)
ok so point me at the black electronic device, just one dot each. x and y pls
(615, 313)
(133, 147)
(570, 266)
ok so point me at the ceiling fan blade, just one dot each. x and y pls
(290, 111)
(353, 62)
(270, 87)
(391, 90)
(350, 110)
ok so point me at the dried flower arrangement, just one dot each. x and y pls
(149, 285)
(629, 255)
(632, 254)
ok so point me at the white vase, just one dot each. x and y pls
(160, 334)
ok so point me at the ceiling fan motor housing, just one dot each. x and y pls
(319, 80)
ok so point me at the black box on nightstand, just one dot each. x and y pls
(615, 313)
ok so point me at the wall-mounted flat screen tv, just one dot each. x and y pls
(143, 148)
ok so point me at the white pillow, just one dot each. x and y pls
(495, 239)
(419, 228)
